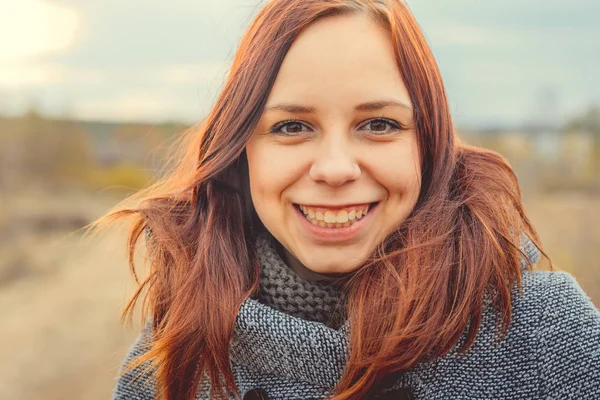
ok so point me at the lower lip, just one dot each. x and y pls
(343, 233)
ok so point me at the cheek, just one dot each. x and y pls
(398, 169)
(271, 170)
(255, 173)
(260, 185)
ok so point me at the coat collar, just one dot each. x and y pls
(272, 342)
(276, 343)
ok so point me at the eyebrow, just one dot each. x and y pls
(370, 106)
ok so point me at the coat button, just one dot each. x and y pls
(256, 394)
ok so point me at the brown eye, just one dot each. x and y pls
(288, 128)
(378, 125)
(294, 127)
(382, 126)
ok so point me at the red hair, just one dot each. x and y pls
(420, 290)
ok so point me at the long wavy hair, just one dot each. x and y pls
(423, 287)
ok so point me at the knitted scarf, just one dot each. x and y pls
(321, 300)
(282, 289)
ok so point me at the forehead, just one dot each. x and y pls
(339, 59)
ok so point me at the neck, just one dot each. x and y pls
(300, 269)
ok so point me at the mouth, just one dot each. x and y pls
(336, 219)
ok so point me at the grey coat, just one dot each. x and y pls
(551, 351)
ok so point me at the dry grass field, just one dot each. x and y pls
(61, 297)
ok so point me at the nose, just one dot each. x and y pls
(334, 163)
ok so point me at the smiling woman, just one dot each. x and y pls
(327, 236)
(347, 143)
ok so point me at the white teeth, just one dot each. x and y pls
(331, 219)
(342, 217)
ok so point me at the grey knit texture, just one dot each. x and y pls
(282, 289)
(551, 351)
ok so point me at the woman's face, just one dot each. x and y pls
(336, 136)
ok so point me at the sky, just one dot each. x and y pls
(504, 63)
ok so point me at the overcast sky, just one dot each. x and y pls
(503, 62)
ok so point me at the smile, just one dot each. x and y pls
(322, 224)
(335, 218)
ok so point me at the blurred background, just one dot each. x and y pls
(90, 91)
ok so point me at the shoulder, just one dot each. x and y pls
(558, 297)
(554, 306)
(551, 349)
(566, 326)
(137, 383)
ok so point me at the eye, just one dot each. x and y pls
(380, 126)
(290, 127)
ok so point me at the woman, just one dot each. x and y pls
(326, 236)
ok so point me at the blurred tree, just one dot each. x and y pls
(589, 122)
(49, 151)
(37, 150)
(74, 148)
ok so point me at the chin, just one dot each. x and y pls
(333, 267)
